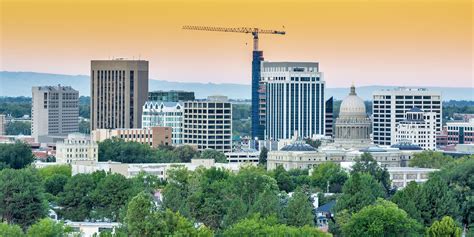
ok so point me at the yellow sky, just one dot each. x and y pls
(396, 42)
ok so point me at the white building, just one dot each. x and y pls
(76, 147)
(242, 156)
(208, 124)
(90, 229)
(460, 132)
(165, 114)
(419, 128)
(389, 108)
(54, 112)
(401, 176)
(294, 99)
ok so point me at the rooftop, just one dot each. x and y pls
(298, 146)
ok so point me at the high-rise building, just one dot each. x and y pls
(419, 128)
(390, 106)
(2, 124)
(294, 100)
(119, 89)
(165, 114)
(76, 147)
(54, 112)
(170, 96)
(258, 126)
(329, 123)
(208, 124)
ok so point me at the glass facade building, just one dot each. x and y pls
(165, 114)
(170, 96)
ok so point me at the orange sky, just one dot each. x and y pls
(396, 42)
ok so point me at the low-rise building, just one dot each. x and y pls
(76, 147)
(89, 229)
(419, 128)
(401, 176)
(460, 132)
(243, 155)
(153, 136)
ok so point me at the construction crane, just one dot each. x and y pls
(247, 30)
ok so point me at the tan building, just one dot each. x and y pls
(54, 112)
(119, 89)
(76, 147)
(2, 124)
(153, 136)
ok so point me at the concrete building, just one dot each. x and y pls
(76, 147)
(170, 96)
(300, 155)
(119, 89)
(460, 132)
(90, 229)
(402, 176)
(389, 108)
(3, 123)
(329, 123)
(153, 136)
(208, 124)
(419, 128)
(243, 156)
(54, 112)
(352, 127)
(165, 114)
(294, 99)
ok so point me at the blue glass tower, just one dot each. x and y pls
(257, 128)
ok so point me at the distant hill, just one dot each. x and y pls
(20, 83)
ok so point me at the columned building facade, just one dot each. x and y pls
(294, 98)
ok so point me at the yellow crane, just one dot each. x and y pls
(247, 30)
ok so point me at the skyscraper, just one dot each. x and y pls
(294, 99)
(54, 112)
(390, 106)
(257, 124)
(329, 117)
(119, 89)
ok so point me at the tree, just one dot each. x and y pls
(185, 153)
(430, 159)
(258, 226)
(22, 198)
(360, 190)
(76, 201)
(217, 156)
(262, 159)
(144, 219)
(52, 170)
(313, 143)
(16, 156)
(18, 128)
(283, 179)
(126, 152)
(110, 196)
(408, 199)
(444, 228)
(55, 184)
(437, 200)
(367, 164)
(382, 219)
(46, 227)
(176, 192)
(7, 230)
(300, 210)
(329, 173)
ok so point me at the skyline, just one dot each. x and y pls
(400, 43)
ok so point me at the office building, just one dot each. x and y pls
(419, 128)
(3, 123)
(243, 156)
(329, 123)
(54, 112)
(153, 136)
(352, 127)
(119, 89)
(460, 132)
(208, 124)
(76, 147)
(258, 92)
(294, 100)
(170, 96)
(390, 106)
(165, 114)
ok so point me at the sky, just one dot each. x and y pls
(365, 42)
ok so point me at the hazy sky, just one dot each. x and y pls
(384, 42)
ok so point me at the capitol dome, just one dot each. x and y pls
(352, 106)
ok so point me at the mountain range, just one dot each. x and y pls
(20, 83)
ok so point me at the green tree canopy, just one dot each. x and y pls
(55, 184)
(300, 209)
(382, 219)
(217, 156)
(329, 173)
(409, 200)
(7, 230)
(430, 159)
(367, 164)
(18, 128)
(52, 170)
(76, 200)
(447, 227)
(437, 200)
(22, 198)
(47, 228)
(16, 156)
(262, 158)
(283, 179)
(360, 190)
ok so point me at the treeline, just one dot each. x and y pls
(19, 106)
(133, 152)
